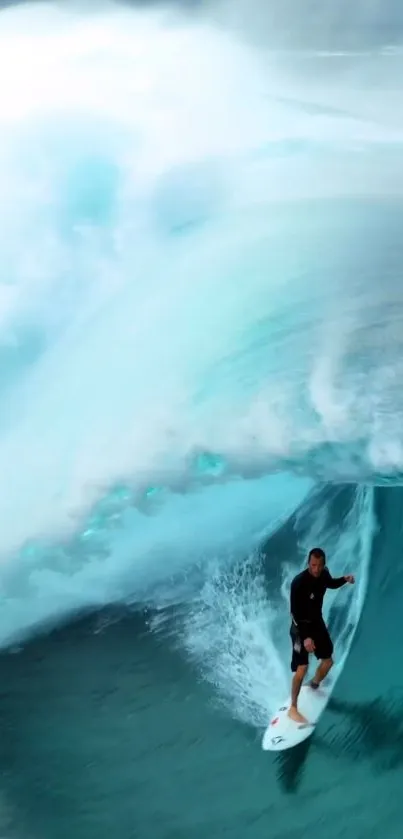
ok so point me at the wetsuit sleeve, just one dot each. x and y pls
(334, 582)
(298, 607)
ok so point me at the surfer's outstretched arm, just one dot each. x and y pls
(337, 582)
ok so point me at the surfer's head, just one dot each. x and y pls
(316, 561)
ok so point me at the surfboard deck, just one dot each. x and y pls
(283, 733)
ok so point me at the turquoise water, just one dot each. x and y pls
(108, 728)
(200, 379)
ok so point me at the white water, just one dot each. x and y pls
(141, 248)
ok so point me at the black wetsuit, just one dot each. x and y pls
(306, 600)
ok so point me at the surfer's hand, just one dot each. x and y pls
(309, 645)
(349, 578)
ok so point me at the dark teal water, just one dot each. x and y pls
(107, 729)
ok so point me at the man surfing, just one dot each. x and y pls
(309, 633)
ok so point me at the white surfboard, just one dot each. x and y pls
(283, 733)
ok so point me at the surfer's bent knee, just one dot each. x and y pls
(300, 671)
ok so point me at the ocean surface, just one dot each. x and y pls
(201, 367)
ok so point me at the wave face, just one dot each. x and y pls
(200, 326)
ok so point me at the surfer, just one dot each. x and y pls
(309, 633)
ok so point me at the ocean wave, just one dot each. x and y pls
(200, 314)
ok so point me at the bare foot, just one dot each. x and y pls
(295, 716)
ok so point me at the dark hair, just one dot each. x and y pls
(318, 553)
